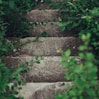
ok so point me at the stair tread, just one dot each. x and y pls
(37, 15)
(49, 69)
(43, 90)
(49, 45)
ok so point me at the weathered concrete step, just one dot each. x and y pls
(43, 90)
(49, 69)
(48, 46)
(52, 29)
(42, 15)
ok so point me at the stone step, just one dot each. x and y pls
(52, 29)
(43, 90)
(47, 46)
(48, 70)
(42, 15)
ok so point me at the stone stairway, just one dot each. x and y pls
(47, 78)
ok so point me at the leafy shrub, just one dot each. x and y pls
(10, 79)
(83, 75)
(14, 12)
(11, 17)
(81, 16)
(5, 76)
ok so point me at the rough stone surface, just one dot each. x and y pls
(42, 15)
(49, 69)
(52, 29)
(43, 90)
(49, 46)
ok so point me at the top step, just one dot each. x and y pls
(42, 15)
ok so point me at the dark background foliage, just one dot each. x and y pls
(14, 12)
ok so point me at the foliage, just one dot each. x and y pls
(10, 78)
(12, 23)
(5, 74)
(83, 75)
(81, 16)
(14, 12)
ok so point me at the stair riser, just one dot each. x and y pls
(49, 46)
(52, 29)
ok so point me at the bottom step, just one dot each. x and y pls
(43, 90)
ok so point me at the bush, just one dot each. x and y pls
(81, 16)
(14, 16)
(11, 78)
(83, 75)
(12, 23)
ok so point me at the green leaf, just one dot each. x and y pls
(64, 63)
(78, 69)
(90, 56)
(67, 53)
(60, 19)
(82, 48)
(0, 1)
(80, 83)
(11, 4)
